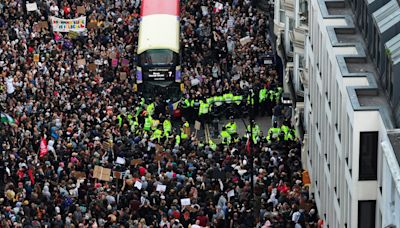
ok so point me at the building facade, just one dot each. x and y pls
(341, 59)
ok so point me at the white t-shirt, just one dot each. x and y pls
(54, 9)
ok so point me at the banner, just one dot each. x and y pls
(64, 25)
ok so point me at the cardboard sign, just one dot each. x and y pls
(245, 40)
(81, 10)
(92, 25)
(136, 161)
(78, 175)
(197, 125)
(185, 202)
(102, 173)
(31, 7)
(44, 24)
(72, 35)
(122, 76)
(36, 58)
(92, 67)
(306, 178)
(161, 188)
(81, 62)
(138, 185)
(36, 27)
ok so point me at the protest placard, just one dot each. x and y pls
(81, 62)
(231, 193)
(80, 10)
(78, 175)
(120, 161)
(102, 173)
(125, 62)
(136, 161)
(36, 58)
(117, 175)
(92, 25)
(185, 202)
(31, 7)
(114, 62)
(43, 24)
(245, 40)
(66, 25)
(92, 67)
(138, 185)
(197, 125)
(161, 188)
(122, 76)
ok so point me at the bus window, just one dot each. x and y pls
(157, 57)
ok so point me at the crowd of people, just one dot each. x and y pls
(62, 119)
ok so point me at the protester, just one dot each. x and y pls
(67, 109)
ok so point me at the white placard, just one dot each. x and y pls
(120, 161)
(161, 188)
(231, 193)
(31, 7)
(204, 10)
(185, 201)
(245, 40)
(138, 185)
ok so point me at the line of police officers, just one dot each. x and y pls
(143, 120)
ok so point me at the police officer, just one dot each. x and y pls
(273, 133)
(196, 107)
(157, 135)
(225, 137)
(255, 131)
(262, 96)
(203, 111)
(167, 126)
(231, 127)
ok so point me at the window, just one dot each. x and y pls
(368, 155)
(366, 214)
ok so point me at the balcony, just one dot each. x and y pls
(303, 73)
(288, 5)
(298, 38)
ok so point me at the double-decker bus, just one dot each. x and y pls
(158, 69)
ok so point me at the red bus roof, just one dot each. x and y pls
(151, 7)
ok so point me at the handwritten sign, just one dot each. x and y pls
(36, 58)
(197, 125)
(31, 7)
(92, 67)
(120, 161)
(81, 62)
(185, 202)
(136, 161)
(102, 173)
(161, 188)
(138, 185)
(66, 25)
(81, 10)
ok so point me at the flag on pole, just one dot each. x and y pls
(43, 147)
(218, 7)
(5, 118)
(248, 148)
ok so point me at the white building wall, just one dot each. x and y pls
(333, 130)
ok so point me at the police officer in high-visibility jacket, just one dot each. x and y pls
(262, 97)
(184, 136)
(157, 135)
(256, 132)
(225, 137)
(203, 111)
(273, 132)
(167, 126)
(213, 146)
(231, 127)
(148, 121)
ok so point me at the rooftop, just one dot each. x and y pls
(394, 138)
(387, 16)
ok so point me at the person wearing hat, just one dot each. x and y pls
(231, 127)
(167, 127)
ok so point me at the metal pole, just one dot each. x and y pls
(251, 117)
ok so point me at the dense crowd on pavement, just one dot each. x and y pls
(61, 118)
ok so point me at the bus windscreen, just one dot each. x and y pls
(157, 57)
